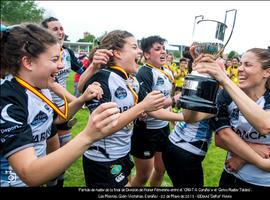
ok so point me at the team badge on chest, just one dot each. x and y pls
(120, 93)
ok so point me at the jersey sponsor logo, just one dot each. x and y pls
(116, 169)
(40, 118)
(6, 117)
(160, 81)
(6, 173)
(119, 178)
(120, 93)
(248, 135)
(146, 153)
(9, 176)
(7, 130)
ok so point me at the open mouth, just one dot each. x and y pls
(53, 75)
(163, 58)
(242, 78)
(137, 60)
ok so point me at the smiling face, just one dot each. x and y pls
(156, 56)
(234, 62)
(251, 74)
(46, 66)
(57, 29)
(128, 56)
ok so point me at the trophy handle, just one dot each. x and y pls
(235, 12)
(195, 22)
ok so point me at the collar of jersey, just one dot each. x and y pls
(152, 66)
(120, 71)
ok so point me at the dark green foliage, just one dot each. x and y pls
(16, 12)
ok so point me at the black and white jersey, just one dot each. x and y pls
(230, 116)
(153, 79)
(62, 76)
(114, 85)
(25, 122)
(185, 134)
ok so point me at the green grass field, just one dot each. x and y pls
(212, 164)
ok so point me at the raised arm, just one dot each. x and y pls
(257, 116)
(163, 114)
(60, 91)
(100, 57)
(153, 101)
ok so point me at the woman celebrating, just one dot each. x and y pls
(149, 136)
(29, 61)
(243, 119)
(107, 163)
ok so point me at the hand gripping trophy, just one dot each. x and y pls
(200, 90)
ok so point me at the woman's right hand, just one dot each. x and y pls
(262, 149)
(154, 101)
(206, 64)
(101, 57)
(102, 120)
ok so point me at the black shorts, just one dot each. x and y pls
(183, 167)
(107, 174)
(145, 142)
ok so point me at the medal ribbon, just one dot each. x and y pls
(44, 98)
(135, 96)
(61, 54)
(162, 71)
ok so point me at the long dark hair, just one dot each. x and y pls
(23, 40)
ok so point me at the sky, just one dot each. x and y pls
(172, 20)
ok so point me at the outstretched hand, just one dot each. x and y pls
(154, 101)
(92, 91)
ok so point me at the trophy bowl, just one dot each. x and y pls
(200, 90)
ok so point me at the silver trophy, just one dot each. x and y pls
(200, 90)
